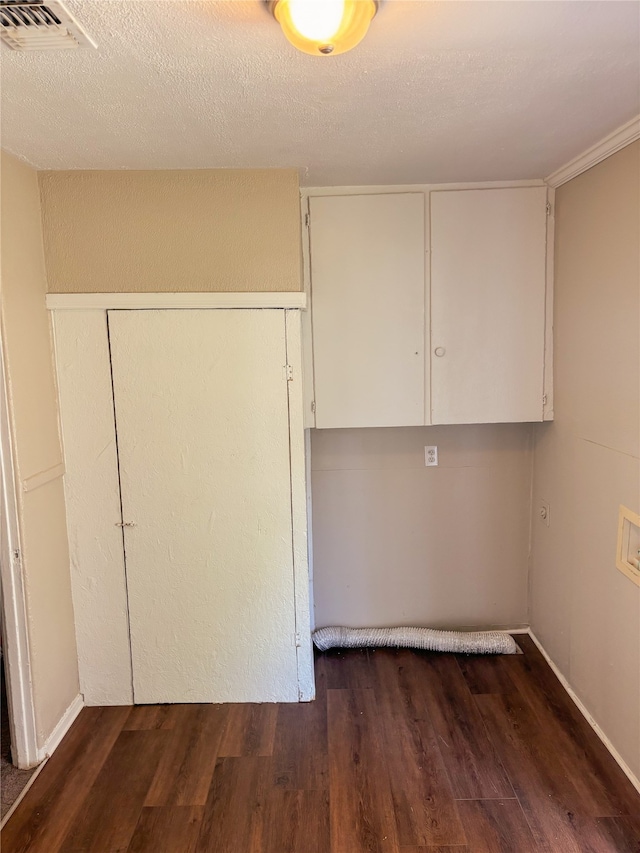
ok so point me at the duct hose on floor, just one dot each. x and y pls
(430, 639)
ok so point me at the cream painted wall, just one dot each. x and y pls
(164, 231)
(33, 410)
(396, 543)
(584, 611)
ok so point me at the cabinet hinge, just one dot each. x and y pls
(16, 555)
(287, 373)
(307, 220)
(313, 406)
(548, 208)
(544, 399)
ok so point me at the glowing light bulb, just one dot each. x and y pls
(324, 26)
(317, 20)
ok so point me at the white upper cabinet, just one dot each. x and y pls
(488, 265)
(367, 260)
(430, 306)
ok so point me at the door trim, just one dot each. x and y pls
(22, 721)
(299, 519)
(137, 301)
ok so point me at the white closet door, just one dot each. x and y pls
(203, 444)
(488, 268)
(367, 280)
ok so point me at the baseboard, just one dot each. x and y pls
(585, 713)
(66, 721)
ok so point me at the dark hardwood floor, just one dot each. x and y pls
(403, 752)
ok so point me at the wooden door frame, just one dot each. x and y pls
(24, 745)
(300, 516)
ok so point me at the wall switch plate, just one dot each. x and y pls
(545, 512)
(431, 456)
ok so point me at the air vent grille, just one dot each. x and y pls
(40, 26)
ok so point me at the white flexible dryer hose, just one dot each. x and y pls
(467, 642)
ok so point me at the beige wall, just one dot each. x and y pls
(396, 543)
(34, 420)
(584, 611)
(163, 231)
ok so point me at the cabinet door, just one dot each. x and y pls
(367, 280)
(203, 443)
(488, 259)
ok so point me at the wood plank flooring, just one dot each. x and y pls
(403, 752)
(12, 780)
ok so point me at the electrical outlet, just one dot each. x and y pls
(545, 512)
(431, 456)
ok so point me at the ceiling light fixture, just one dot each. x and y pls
(324, 27)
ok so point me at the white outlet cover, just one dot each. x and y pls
(545, 512)
(431, 456)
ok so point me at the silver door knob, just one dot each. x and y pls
(439, 351)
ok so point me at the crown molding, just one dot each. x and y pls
(136, 301)
(616, 140)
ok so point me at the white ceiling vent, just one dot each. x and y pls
(40, 26)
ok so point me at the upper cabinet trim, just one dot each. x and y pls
(619, 138)
(137, 301)
(394, 189)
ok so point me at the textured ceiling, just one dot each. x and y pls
(438, 91)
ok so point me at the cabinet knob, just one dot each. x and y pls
(439, 351)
